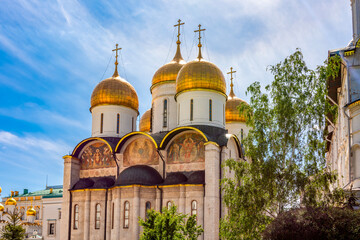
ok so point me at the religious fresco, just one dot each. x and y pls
(187, 148)
(140, 152)
(97, 155)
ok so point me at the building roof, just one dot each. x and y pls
(140, 174)
(57, 191)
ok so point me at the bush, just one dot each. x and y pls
(315, 223)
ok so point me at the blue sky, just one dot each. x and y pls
(53, 53)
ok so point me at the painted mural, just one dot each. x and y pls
(187, 148)
(140, 152)
(97, 155)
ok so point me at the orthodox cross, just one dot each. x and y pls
(231, 75)
(199, 45)
(178, 25)
(116, 49)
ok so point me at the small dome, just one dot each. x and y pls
(83, 183)
(200, 74)
(197, 177)
(140, 174)
(168, 72)
(10, 201)
(0, 189)
(232, 113)
(115, 91)
(1, 207)
(175, 178)
(145, 121)
(31, 212)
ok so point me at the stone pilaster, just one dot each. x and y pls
(136, 212)
(87, 215)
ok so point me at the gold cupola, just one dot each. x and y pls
(232, 113)
(200, 74)
(145, 121)
(115, 91)
(2, 208)
(169, 72)
(10, 201)
(31, 211)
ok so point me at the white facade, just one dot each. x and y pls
(194, 108)
(164, 118)
(240, 129)
(105, 121)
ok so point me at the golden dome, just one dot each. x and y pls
(31, 212)
(10, 201)
(169, 72)
(115, 91)
(200, 74)
(0, 189)
(145, 121)
(232, 113)
(1, 207)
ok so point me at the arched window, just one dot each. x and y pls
(178, 113)
(151, 117)
(132, 123)
(101, 122)
(22, 212)
(210, 110)
(76, 216)
(126, 214)
(97, 216)
(37, 209)
(147, 208)
(193, 207)
(165, 113)
(112, 216)
(191, 109)
(242, 135)
(169, 204)
(118, 123)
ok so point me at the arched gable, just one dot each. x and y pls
(79, 147)
(124, 139)
(235, 139)
(170, 135)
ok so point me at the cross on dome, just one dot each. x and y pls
(199, 45)
(116, 74)
(231, 94)
(178, 25)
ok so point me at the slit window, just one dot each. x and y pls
(76, 216)
(126, 214)
(132, 123)
(118, 123)
(242, 135)
(112, 216)
(165, 113)
(193, 208)
(147, 208)
(210, 110)
(101, 122)
(169, 204)
(97, 216)
(191, 109)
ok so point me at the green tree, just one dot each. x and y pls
(13, 230)
(285, 149)
(169, 225)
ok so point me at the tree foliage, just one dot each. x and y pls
(315, 223)
(169, 225)
(285, 149)
(13, 230)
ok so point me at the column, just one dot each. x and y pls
(87, 216)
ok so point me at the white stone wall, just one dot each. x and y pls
(51, 214)
(235, 128)
(201, 108)
(159, 94)
(127, 120)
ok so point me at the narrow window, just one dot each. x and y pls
(191, 109)
(51, 228)
(223, 114)
(76, 216)
(165, 114)
(242, 135)
(97, 216)
(210, 110)
(169, 204)
(101, 123)
(193, 208)
(126, 214)
(112, 216)
(147, 208)
(22, 213)
(132, 123)
(118, 123)
(59, 214)
(151, 117)
(37, 209)
(179, 113)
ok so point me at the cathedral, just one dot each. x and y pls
(113, 177)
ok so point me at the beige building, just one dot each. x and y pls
(40, 211)
(112, 178)
(343, 150)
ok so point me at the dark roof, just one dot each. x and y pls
(197, 177)
(175, 178)
(140, 174)
(95, 182)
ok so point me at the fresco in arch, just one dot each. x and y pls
(141, 151)
(97, 155)
(187, 148)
